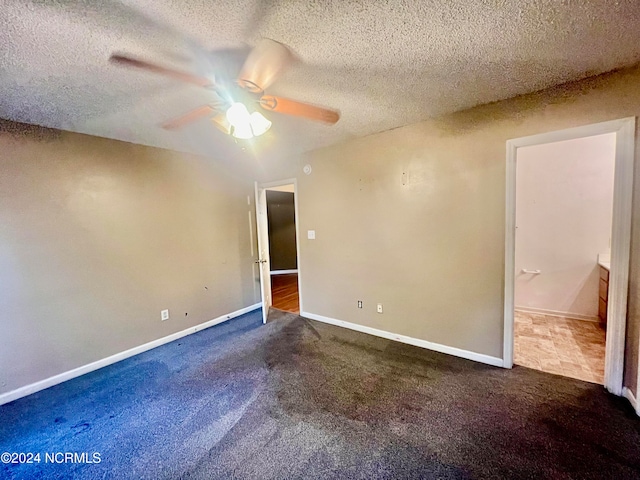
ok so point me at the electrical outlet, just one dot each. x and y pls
(359, 303)
(379, 308)
(164, 315)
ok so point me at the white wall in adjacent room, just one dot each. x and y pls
(564, 202)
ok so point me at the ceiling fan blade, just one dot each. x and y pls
(262, 66)
(192, 116)
(127, 61)
(299, 109)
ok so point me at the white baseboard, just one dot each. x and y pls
(628, 394)
(556, 313)
(457, 352)
(283, 272)
(76, 372)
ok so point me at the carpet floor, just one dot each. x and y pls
(301, 399)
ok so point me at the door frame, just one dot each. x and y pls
(620, 238)
(267, 186)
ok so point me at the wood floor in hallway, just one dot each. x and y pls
(284, 291)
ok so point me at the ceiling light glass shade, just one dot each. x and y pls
(243, 131)
(238, 115)
(259, 124)
(246, 125)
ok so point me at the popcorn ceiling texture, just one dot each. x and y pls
(384, 64)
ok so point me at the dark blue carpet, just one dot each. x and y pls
(301, 399)
(148, 416)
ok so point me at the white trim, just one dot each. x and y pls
(509, 253)
(283, 272)
(436, 347)
(628, 394)
(288, 188)
(556, 313)
(264, 256)
(621, 238)
(279, 183)
(90, 367)
(620, 254)
(296, 195)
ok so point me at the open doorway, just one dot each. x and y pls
(276, 210)
(567, 251)
(564, 209)
(283, 258)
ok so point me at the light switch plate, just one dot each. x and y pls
(311, 234)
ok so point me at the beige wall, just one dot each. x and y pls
(564, 211)
(414, 218)
(97, 236)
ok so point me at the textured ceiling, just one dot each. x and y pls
(383, 64)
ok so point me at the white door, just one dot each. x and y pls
(263, 250)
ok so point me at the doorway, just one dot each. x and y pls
(564, 206)
(277, 219)
(555, 258)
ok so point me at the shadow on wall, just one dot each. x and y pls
(521, 107)
(282, 230)
(33, 132)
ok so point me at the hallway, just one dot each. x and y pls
(284, 291)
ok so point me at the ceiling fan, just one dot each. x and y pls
(236, 104)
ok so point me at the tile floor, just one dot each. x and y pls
(574, 348)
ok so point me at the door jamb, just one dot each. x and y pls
(620, 238)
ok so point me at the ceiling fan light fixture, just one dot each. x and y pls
(238, 115)
(242, 131)
(259, 124)
(246, 125)
(240, 120)
(260, 69)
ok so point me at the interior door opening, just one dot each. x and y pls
(568, 232)
(276, 209)
(283, 258)
(564, 208)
